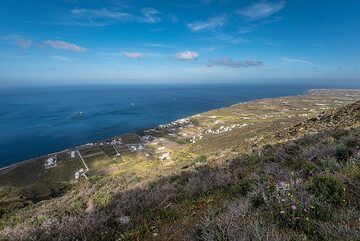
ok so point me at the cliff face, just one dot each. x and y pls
(299, 183)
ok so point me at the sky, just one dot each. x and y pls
(162, 41)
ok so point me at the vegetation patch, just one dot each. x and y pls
(328, 188)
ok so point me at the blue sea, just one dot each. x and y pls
(39, 120)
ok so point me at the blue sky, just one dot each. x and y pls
(148, 41)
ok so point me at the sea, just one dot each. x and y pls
(38, 120)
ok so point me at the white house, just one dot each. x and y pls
(50, 162)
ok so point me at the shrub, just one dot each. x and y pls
(242, 187)
(321, 210)
(343, 153)
(327, 188)
(257, 200)
(294, 217)
(102, 198)
(351, 141)
(330, 164)
(308, 168)
(201, 159)
(337, 134)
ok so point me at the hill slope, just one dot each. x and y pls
(299, 183)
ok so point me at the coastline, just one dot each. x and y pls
(306, 93)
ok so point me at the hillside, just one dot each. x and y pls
(289, 169)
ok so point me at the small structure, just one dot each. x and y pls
(51, 162)
(77, 174)
(80, 173)
(72, 154)
(116, 142)
(147, 138)
(164, 156)
(136, 147)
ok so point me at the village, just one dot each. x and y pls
(150, 142)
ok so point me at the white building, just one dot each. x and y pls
(50, 162)
(164, 156)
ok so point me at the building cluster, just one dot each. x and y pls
(221, 129)
(177, 123)
(150, 130)
(116, 142)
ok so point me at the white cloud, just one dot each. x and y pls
(62, 45)
(147, 15)
(261, 10)
(297, 61)
(225, 41)
(234, 64)
(187, 55)
(151, 15)
(210, 24)
(17, 40)
(133, 55)
(155, 45)
(102, 13)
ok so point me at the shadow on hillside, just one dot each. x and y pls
(183, 198)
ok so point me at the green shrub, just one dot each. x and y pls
(327, 188)
(308, 168)
(257, 200)
(168, 214)
(321, 211)
(340, 133)
(330, 164)
(351, 141)
(343, 153)
(201, 159)
(102, 198)
(242, 187)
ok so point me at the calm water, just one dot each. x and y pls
(38, 120)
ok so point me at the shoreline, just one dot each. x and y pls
(308, 92)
